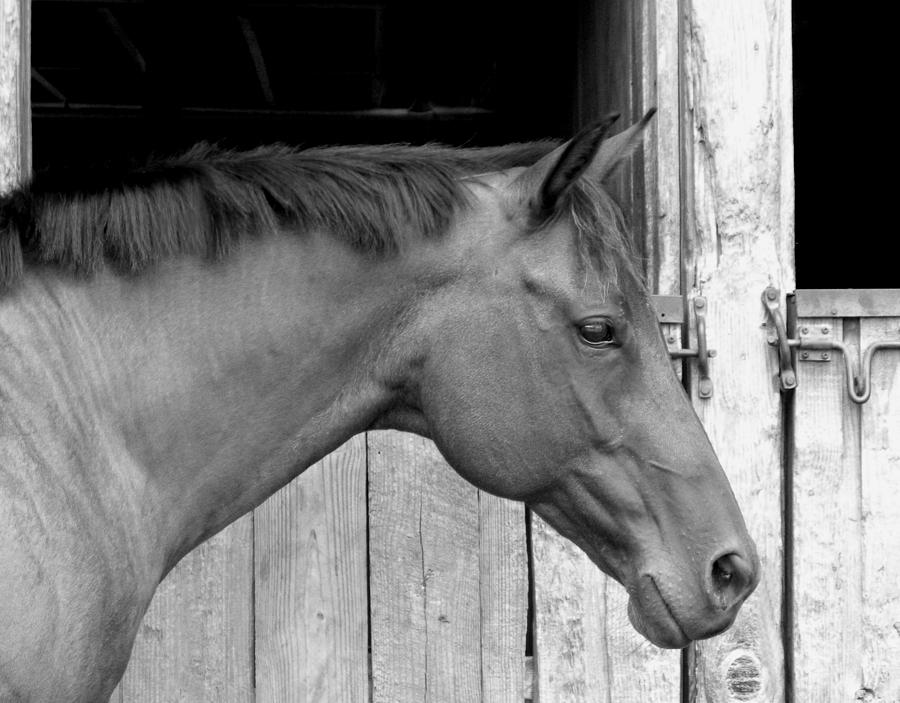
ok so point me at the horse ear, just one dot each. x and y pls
(615, 150)
(544, 183)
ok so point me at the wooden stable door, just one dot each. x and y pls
(845, 497)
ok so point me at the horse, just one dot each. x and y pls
(181, 339)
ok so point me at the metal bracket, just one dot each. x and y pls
(819, 348)
(702, 352)
(778, 337)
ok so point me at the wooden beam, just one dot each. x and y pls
(738, 234)
(310, 590)
(259, 61)
(15, 92)
(436, 114)
(39, 78)
(109, 19)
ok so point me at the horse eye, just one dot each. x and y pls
(597, 333)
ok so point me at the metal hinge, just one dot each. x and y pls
(814, 344)
(670, 309)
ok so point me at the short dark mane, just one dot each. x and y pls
(372, 197)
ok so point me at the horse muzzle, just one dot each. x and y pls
(672, 616)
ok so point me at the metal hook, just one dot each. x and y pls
(702, 352)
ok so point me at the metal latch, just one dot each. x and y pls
(814, 347)
(669, 309)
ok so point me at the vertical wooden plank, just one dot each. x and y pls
(15, 91)
(195, 642)
(571, 649)
(827, 633)
(503, 596)
(880, 518)
(311, 591)
(424, 574)
(661, 148)
(662, 162)
(738, 227)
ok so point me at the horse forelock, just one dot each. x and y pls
(374, 198)
(600, 230)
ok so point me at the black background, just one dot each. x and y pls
(513, 62)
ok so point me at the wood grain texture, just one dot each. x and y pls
(195, 642)
(827, 633)
(310, 589)
(846, 523)
(424, 574)
(880, 518)
(15, 91)
(585, 649)
(738, 216)
(661, 148)
(570, 642)
(503, 573)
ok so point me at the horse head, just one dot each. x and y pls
(545, 379)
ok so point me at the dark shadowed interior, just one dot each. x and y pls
(116, 79)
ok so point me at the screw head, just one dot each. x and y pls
(804, 355)
(826, 330)
(771, 293)
(804, 330)
(699, 302)
(826, 356)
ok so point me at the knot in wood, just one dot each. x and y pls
(743, 677)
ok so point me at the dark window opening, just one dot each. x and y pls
(115, 80)
(843, 150)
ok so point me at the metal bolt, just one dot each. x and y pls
(711, 353)
(826, 356)
(804, 355)
(671, 339)
(804, 330)
(771, 293)
(834, 311)
(826, 330)
(699, 302)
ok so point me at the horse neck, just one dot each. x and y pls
(220, 383)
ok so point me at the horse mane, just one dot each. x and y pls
(203, 202)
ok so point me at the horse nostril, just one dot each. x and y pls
(732, 579)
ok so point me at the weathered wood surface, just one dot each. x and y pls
(880, 518)
(846, 474)
(738, 212)
(662, 147)
(424, 574)
(827, 636)
(311, 599)
(503, 570)
(15, 91)
(448, 580)
(195, 644)
(570, 637)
